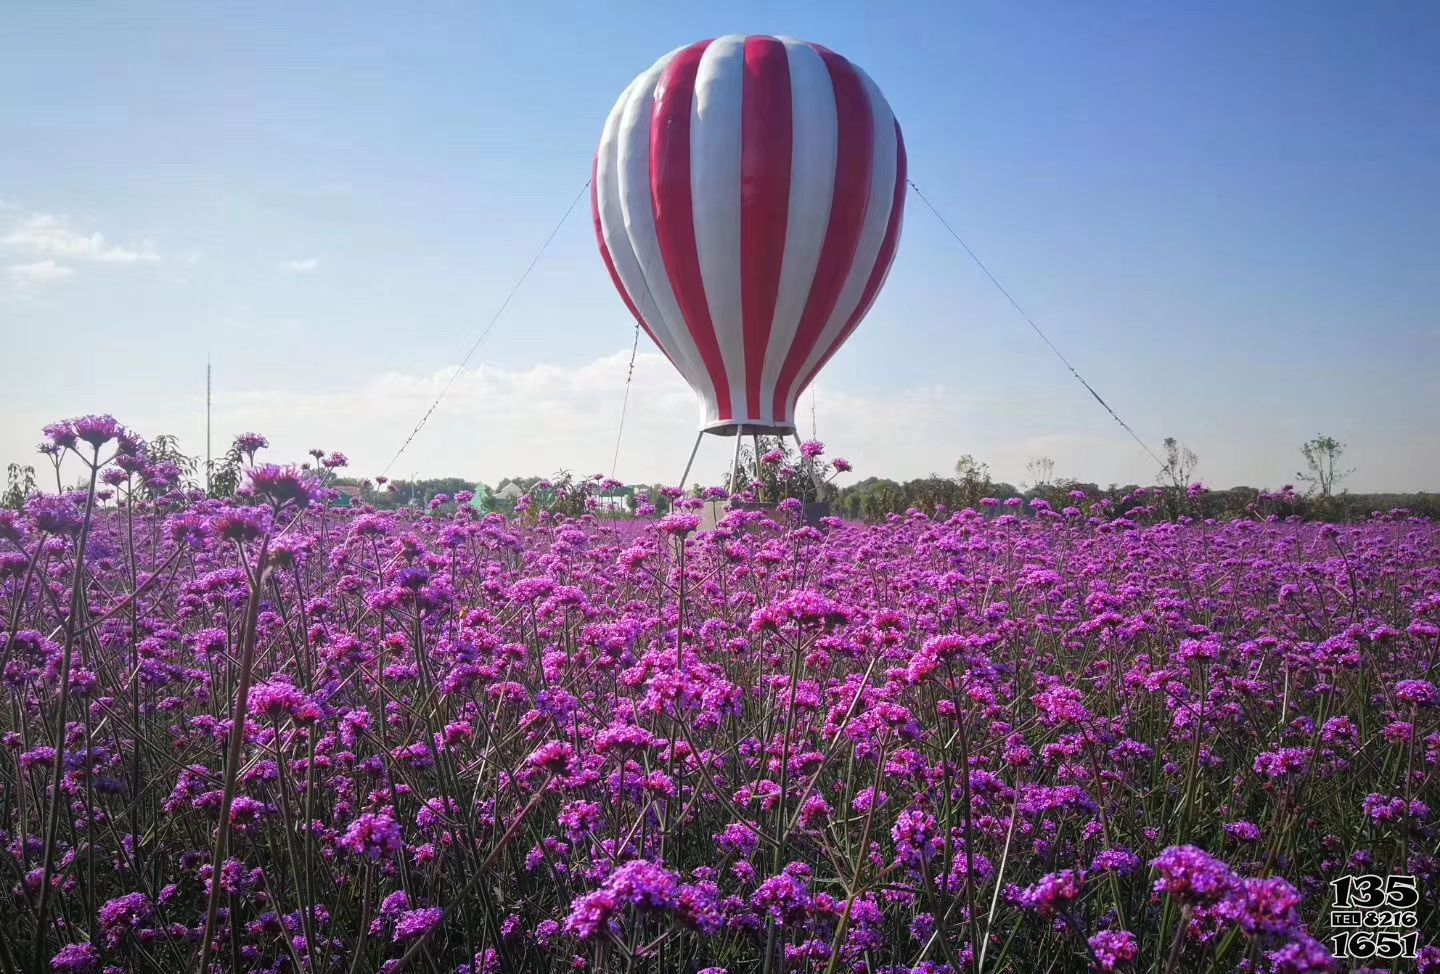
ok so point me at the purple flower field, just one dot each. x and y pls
(265, 734)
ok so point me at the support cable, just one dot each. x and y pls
(494, 318)
(1031, 322)
(625, 403)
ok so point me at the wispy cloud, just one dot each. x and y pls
(45, 235)
(303, 265)
(498, 422)
(36, 274)
(495, 421)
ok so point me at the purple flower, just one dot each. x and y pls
(738, 840)
(547, 694)
(679, 525)
(639, 884)
(414, 924)
(590, 914)
(801, 608)
(54, 514)
(1062, 706)
(96, 430)
(1284, 763)
(250, 444)
(282, 486)
(244, 810)
(1246, 832)
(1303, 956)
(1114, 949)
(122, 915)
(1053, 893)
(1418, 693)
(38, 757)
(785, 897)
(61, 436)
(1122, 862)
(12, 529)
(1386, 809)
(645, 885)
(922, 927)
(556, 757)
(76, 959)
(914, 835)
(622, 738)
(1266, 908)
(190, 530)
(1192, 875)
(374, 837)
(276, 701)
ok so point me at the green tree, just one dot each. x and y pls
(165, 448)
(19, 486)
(968, 468)
(1180, 464)
(973, 479)
(1322, 458)
(225, 472)
(1177, 475)
(1042, 473)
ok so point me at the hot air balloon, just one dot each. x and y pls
(748, 197)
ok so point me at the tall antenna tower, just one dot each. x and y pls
(208, 462)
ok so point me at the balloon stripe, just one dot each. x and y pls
(624, 188)
(672, 202)
(633, 238)
(854, 159)
(872, 236)
(610, 263)
(883, 261)
(765, 195)
(812, 190)
(716, 116)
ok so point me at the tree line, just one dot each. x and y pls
(781, 472)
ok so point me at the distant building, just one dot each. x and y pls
(509, 491)
(621, 500)
(350, 495)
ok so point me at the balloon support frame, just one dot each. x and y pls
(740, 431)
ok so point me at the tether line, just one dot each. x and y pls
(625, 403)
(1031, 322)
(494, 318)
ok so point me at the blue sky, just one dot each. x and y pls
(1225, 215)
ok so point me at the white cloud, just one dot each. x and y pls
(302, 266)
(496, 422)
(48, 236)
(36, 274)
(499, 422)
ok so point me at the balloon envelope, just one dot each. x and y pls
(748, 197)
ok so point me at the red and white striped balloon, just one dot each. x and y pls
(748, 197)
